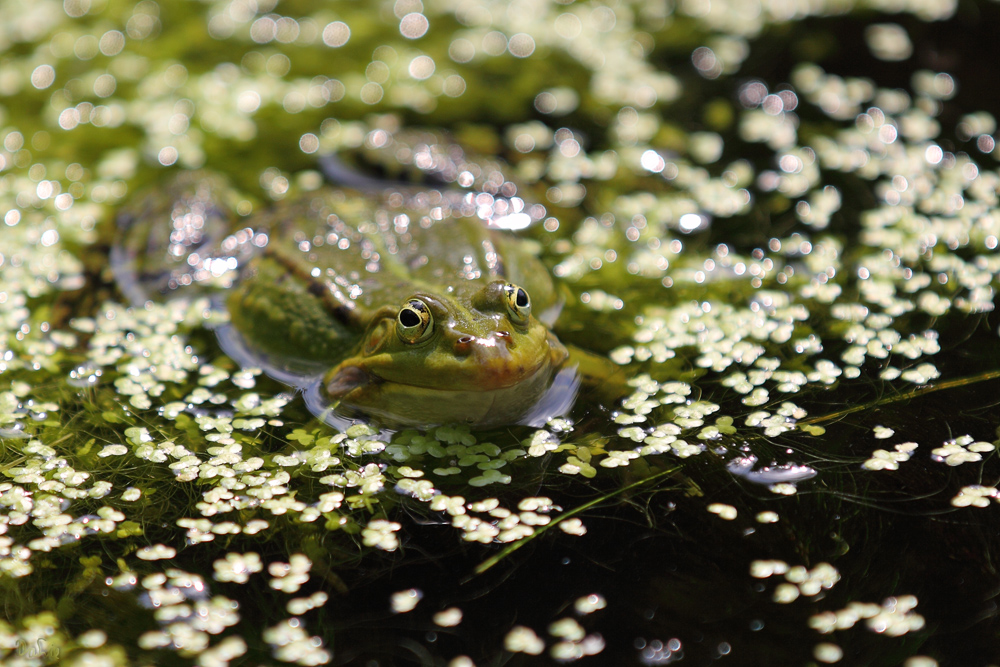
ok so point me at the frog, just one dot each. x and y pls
(394, 302)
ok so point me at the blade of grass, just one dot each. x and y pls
(920, 391)
(514, 546)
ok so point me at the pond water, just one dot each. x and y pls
(779, 220)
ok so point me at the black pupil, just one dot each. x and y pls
(522, 298)
(409, 318)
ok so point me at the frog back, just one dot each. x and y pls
(171, 238)
(364, 253)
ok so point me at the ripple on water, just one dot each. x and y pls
(789, 473)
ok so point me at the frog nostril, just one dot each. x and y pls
(463, 346)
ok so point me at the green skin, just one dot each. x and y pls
(482, 357)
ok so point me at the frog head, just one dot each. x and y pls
(476, 356)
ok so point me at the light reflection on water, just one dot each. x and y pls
(787, 473)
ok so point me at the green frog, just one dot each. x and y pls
(404, 304)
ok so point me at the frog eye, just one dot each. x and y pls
(518, 303)
(413, 322)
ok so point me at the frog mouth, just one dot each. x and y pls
(488, 369)
(532, 399)
(345, 379)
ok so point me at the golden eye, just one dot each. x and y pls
(413, 322)
(518, 303)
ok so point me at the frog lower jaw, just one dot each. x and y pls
(354, 389)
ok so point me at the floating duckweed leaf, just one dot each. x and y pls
(157, 552)
(128, 529)
(758, 396)
(113, 450)
(632, 433)
(299, 606)
(448, 618)
(453, 505)
(291, 643)
(974, 496)
(616, 458)
(304, 438)
(522, 639)
(237, 567)
(578, 466)
(575, 649)
(573, 526)
(402, 602)
(727, 512)
(289, 577)
(961, 450)
(490, 477)
(454, 435)
(894, 617)
(882, 432)
(211, 376)
(589, 604)
(922, 374)
(541, 442)
(885, 460)
(360, 430)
